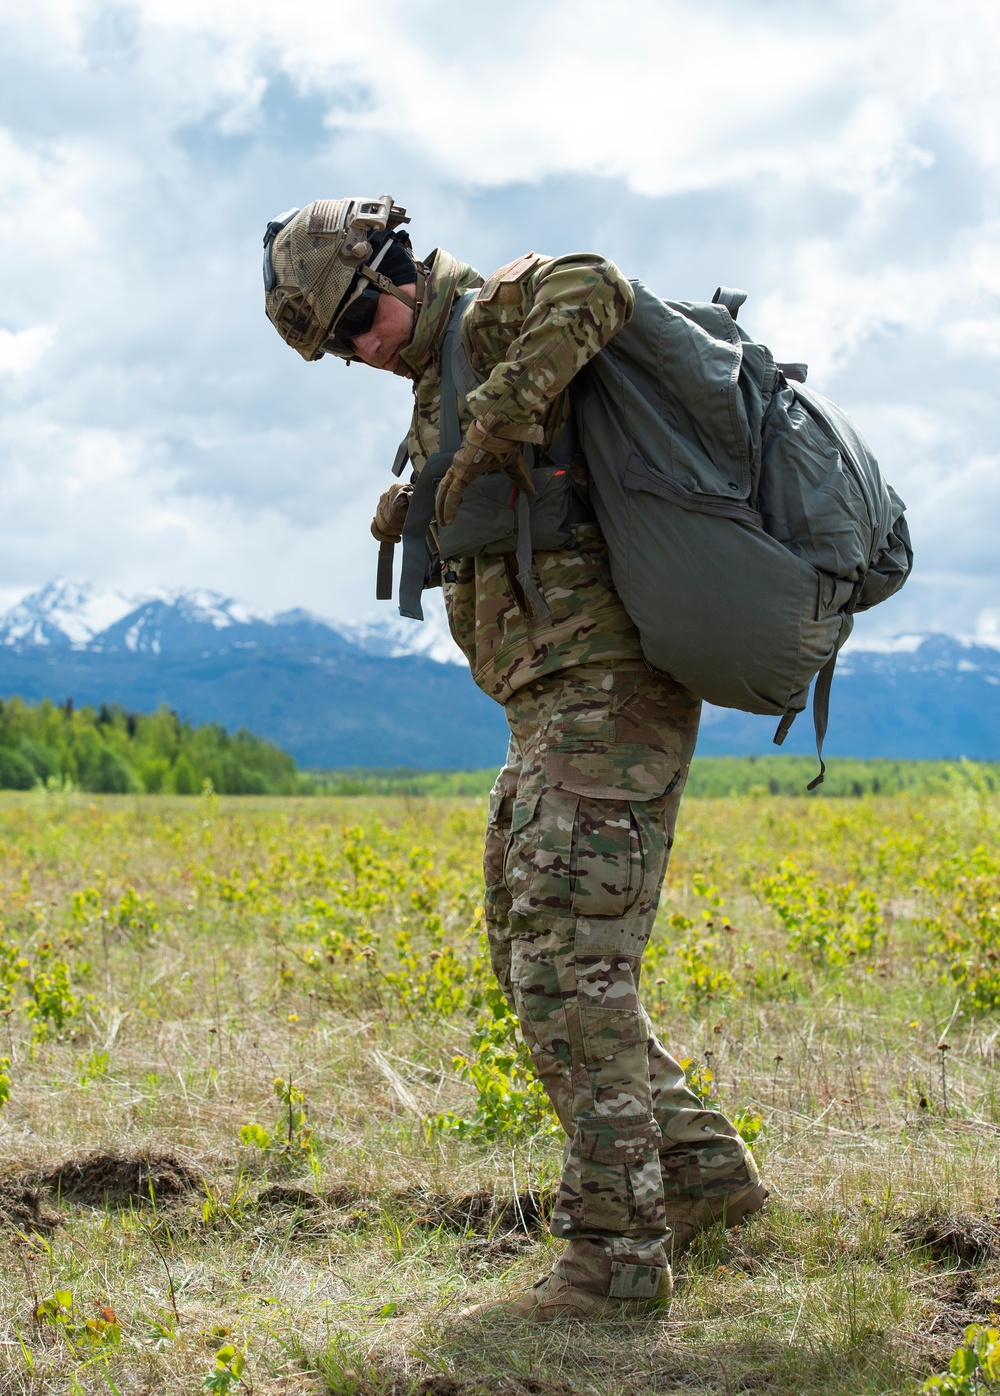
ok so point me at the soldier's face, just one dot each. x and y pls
(390, 333)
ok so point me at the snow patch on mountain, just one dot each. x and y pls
(65, 612)
(393, 636)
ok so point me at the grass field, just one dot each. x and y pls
(239, 1153)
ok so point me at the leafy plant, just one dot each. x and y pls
(293, 1140)
(51, 1001)
(965, 933)
(510, 1099)
(974, 1367)
(60, 1313)
(832, 924)
(227, 1371)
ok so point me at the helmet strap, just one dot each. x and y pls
(383, 283)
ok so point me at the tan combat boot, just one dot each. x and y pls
(552, 1299)
(687, 1216)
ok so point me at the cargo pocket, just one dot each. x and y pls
(537, 863)
(611, 1019)
(498, 823)
(617, 1182)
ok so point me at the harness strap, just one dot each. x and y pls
(413, 573)
(821, 713)
(402, 456)
(383, 574)
(535, 599)
(821, 693)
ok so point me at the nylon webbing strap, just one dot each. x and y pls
(383, 575)
(402, 456)
(821, 701)
(784, 727)
(413, 572)
(821, 713)
(535, 599)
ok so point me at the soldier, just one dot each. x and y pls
(581, 818)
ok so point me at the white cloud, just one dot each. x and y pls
(23, 350)
(840, 160)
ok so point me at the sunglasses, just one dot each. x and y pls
(356, 319)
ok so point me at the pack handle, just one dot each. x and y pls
(730, 297)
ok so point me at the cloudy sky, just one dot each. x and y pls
(840, 161)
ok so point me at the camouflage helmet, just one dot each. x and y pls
(318, 260)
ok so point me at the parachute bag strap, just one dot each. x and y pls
(539, 606)
(784, 727)
(413, 572)
(821, 693)
(401, 457)
(730, 297)
(383, 575)
(821, 713)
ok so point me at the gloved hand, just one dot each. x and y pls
(387, 525)
(479, 454)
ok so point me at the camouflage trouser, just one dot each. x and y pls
(580, 829)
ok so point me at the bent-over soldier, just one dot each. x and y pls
(582, 816)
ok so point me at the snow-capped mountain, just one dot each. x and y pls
(80, 616)
(391, 692)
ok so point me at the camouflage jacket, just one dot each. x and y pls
(533, 326)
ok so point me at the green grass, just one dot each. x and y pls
(164, 960)
(712, 777)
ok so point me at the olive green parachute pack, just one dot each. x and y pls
(746, 518)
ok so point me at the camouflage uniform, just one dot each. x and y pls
(582, 815)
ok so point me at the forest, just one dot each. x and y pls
(108, 750)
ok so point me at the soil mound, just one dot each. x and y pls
(506, 1386)
(482, 1212)
(118, 1180)
(953, 1237)
(21, 1208)
(288, 1195)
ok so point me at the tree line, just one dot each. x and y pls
(110, 750)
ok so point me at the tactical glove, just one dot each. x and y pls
(479, 454)
(387, 525)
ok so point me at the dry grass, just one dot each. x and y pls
(344, 1267)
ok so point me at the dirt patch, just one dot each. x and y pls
(482, 1212)
(953, 1238)
(505, 1386)
(118, 1180)
(288, 1195)
(954, 1302)
(343, 1195)
(21, 1208)
(482, 1254)
(957, 1301)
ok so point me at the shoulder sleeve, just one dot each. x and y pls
(572, 306)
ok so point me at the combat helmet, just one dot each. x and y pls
(321, 271)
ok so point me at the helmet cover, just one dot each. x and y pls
(314, 261)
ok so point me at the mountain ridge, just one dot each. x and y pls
(390, 692)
